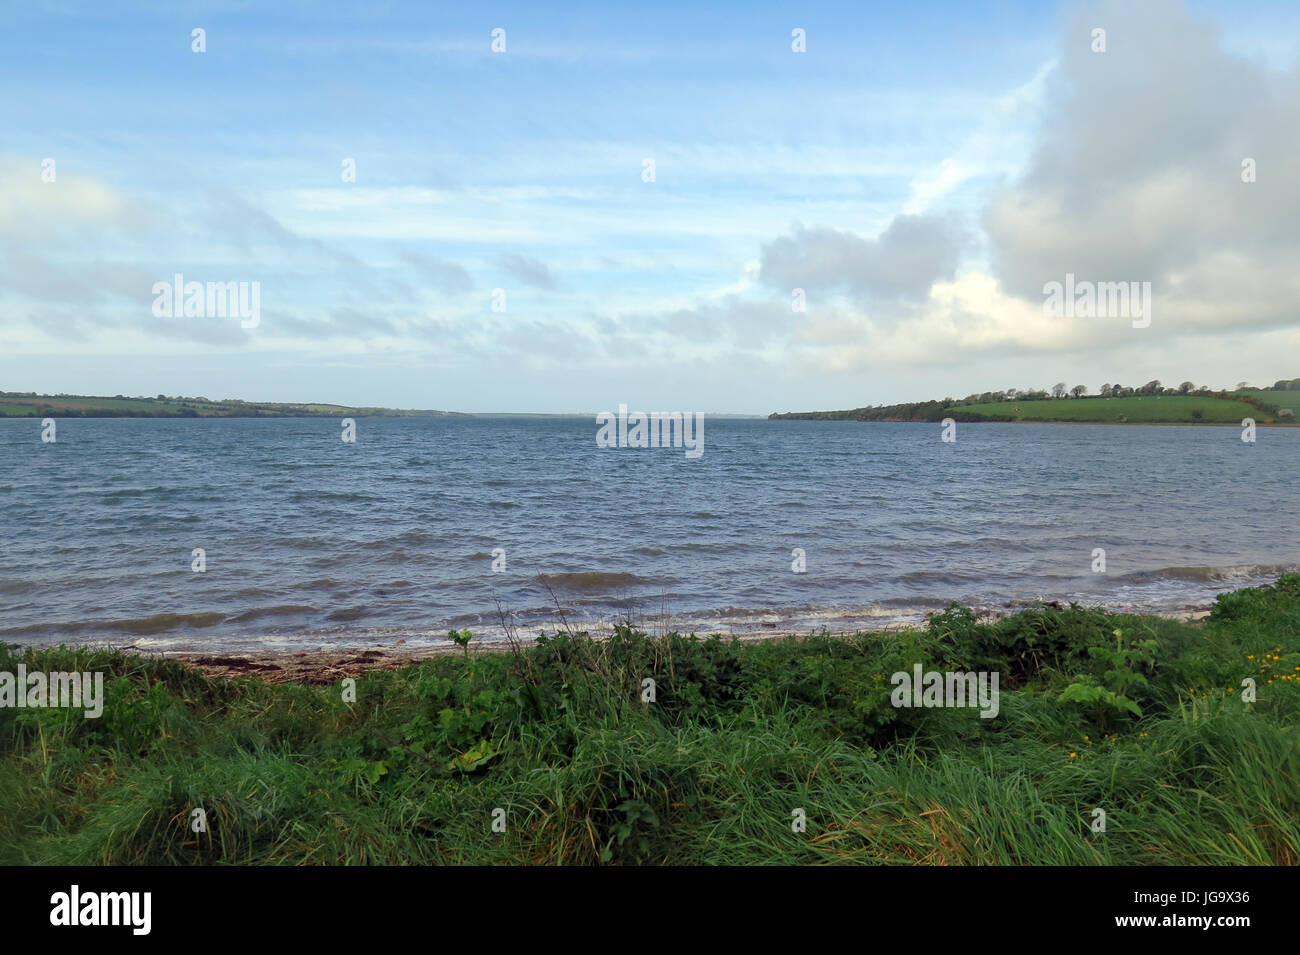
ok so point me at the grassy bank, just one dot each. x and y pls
(1289, 400)
(20, 405)
(1148, 725)
(1265, 407)
(1136, 409)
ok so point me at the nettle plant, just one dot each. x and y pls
(1110, 696)
(467, 715)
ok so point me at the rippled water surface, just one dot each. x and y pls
(309, 539)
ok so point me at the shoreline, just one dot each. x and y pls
(325, 664)
(1156, 424)
(577, 745)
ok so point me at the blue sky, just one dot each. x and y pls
(920, 171)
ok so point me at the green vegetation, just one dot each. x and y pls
(30, 405)
(1115, 404)
(1140, 716)
(1149, 409)
(1282, 385)
(1284, 400)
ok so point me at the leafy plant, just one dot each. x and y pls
(628, 838)
(474, 757)
(461, 638)
(1110, 695)
(354, 770)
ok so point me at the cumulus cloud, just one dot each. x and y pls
(72, 206)
(1137, 173)
(913, 253)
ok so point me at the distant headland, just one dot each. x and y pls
(31, 405)
(1151, 403)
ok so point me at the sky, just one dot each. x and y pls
(918, 172)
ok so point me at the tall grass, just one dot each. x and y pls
(739, 739)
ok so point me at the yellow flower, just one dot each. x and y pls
(1072, 755)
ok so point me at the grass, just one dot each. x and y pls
(36, 406)
(1220, 408)
(1282, 399)
(1148, 724)
(1149, 409)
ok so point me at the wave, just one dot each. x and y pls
(593, 580)
(937, 577)
(411, 537)
(158, 623)
(318, 496)
(281, 610)
(347, 614)
(1230, 574)
(139, 492)
(164, 621)
(305, 543)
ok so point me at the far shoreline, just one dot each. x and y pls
(1122, 424)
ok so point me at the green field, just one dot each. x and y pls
(26, 406)
(1283, 399)
(1265, 407)
(1151, 409)
(1142, 717)
(150, 406)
